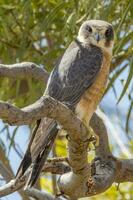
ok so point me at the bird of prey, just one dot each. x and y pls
(78, 81)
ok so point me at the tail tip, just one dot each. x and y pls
(27, 187)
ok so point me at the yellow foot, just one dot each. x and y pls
(94, 137)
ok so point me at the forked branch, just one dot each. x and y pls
(90, 179)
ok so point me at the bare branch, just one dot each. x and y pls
(124, 171)
(41, 195)
(99, 128)
(9, 188)
(57, 159)
(56, 167)
(90, 179)
(105, 170)
(5, 172)
(102, 168)
(102, 177)
(45, 107)
(53, 166)
(24, 70)
(5, 164)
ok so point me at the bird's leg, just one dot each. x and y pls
(94, 138)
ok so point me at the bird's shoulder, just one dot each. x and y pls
(84, 51)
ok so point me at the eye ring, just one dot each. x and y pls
(89, 29)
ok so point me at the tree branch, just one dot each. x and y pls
(8, 187)
(124, 171)
(46, 106)
(6, 171)
(89, 179)
(97, 124)
(105, 168)
(57, 166)
(41, 195)
(54, 166)
(24, 70)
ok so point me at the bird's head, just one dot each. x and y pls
(98, 33)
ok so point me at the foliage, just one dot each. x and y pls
(39, 31)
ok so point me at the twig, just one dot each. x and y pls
(41, 195)
(5, 172)
(8, 175)
(56, 168)
(12, 186)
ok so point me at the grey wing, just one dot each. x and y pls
(75, 73)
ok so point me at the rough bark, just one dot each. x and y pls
(90, 178)
(24, 70)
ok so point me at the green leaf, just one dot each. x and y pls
(124, 15)
(8, 7)
(4, 128)
(128, 116)
(12, 139)
(115, 76)
(130, 75)
(71, 21)
(53, 14)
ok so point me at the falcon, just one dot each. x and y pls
(78, 81)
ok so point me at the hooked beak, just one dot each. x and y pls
(97, 37)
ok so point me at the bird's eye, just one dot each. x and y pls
(109, 33)
(89, 29)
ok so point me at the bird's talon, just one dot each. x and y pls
(96, 140)
(68, 137)
(92, 138)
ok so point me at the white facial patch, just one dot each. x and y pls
(98, 28)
